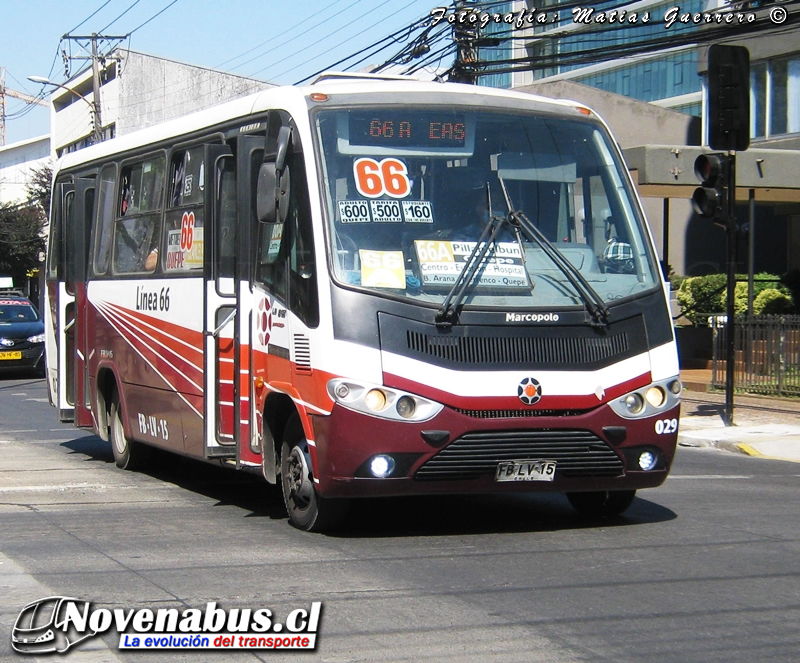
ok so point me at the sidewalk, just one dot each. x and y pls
(763, 426)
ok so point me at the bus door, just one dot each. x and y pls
(249, 155)
(227, 360)
(59, 312)
(221, 314)
(78, 228)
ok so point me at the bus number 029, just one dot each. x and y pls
(665, 426)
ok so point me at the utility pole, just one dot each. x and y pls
(8, 92)
(465, 35)
(96, 59)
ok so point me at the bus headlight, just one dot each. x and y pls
(381, 466)
(375, 400)
(650, 400)
(647, 460)
(656, 396)
(383, 402)
(406, 407)
(634, 403)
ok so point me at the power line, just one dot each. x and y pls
(279, 44)
(370, 27)
(136, 2)
(377, 45)
(90, 16)
(375, 48)
(319, 41)
(154, 16)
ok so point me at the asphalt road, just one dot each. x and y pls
(705, 568)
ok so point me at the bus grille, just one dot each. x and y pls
(517, 414)
(518, 350)
(577, 453)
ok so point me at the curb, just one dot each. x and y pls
(730, 446)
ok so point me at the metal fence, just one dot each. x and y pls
(767, 354)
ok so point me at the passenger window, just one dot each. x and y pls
(184, 218)
(104, 226)
(226, 214)
(137, 234)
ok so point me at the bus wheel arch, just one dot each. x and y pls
(128, 454)
(278, 409)
(105, 386)
(306, 508)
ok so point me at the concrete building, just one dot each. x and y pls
(17, 161)
(135, 91)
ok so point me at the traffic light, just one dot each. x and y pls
(709, 199)
(728, 97)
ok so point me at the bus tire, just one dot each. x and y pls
(307, 510)
(128, 455)
(601, 504)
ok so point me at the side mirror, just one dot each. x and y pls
(272, 193)
(274, 183)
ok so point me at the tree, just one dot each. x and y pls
(40, 186)
(22, 236)
(22, 243)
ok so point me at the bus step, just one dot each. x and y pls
(221, 452)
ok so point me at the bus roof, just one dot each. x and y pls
(287, 97)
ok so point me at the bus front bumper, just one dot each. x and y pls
(458, 453)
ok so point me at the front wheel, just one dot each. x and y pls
(601, 504)
(306, 508)
(128, 455)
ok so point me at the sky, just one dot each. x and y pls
(274, 40)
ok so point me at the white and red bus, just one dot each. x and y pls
(368, 287)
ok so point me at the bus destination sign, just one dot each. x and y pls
(376, 128)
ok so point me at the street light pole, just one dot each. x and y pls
(94, 106)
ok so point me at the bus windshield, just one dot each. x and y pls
(410, 191)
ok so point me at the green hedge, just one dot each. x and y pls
(701, 295)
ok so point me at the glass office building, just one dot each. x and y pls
(578, 50)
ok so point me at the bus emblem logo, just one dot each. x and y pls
(529, 391)
(264, 321)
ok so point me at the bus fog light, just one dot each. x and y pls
(381, 466)
(656, 396)
(342, 390)
(634, 403)
(676, 387)
(647, 460)
(406, 407)
(375, 400)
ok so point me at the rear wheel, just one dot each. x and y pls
(128, 455)
(601, 504)
(306, 508)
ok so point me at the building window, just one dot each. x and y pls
(775, 98)
(758, 100)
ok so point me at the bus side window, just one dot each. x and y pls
(184, 220)
(285, 260)
(104, 225)
(137, 234)
(226, 224)
(271, 261)
(303, 299)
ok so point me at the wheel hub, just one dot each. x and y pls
(299, 480)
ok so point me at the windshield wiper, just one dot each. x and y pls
(594, 303)
(447, 315)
